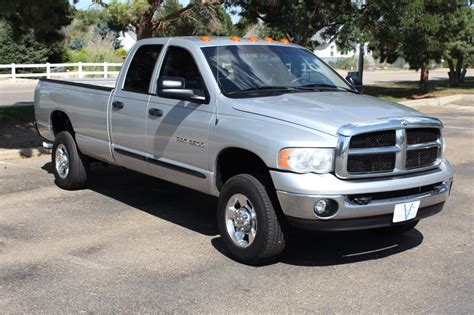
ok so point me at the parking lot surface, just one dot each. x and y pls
(131, 243)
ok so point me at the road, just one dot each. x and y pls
(130, 243)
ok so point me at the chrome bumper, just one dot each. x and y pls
(298, 193)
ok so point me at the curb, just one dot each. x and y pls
(440, 101)
(13, 154)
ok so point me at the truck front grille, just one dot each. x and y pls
(422, 135)
(387, 152)
(374, 140)
(373, 163)
(423, 157)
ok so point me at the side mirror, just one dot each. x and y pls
(173, 87)
(353, 79)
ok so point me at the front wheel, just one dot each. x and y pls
(248, 223)
(69, 165)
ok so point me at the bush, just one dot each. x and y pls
(345, 63)
(91, 55)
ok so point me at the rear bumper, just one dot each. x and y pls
(298, 193)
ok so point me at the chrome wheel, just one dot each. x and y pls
(62, 161)
(241, 220)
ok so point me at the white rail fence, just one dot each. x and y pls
(73, 70)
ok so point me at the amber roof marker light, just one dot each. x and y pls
(284, 41)
(252, 39)
(235, 38)
(205, 38)
(268, 40)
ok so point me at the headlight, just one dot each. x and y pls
(305, 160)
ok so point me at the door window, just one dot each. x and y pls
(141, 69)
(180, 63)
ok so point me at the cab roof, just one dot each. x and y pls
(211, 41)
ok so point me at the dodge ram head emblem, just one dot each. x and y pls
(404, 122)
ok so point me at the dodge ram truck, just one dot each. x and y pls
(266, 126)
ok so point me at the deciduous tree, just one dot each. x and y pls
(149, 16)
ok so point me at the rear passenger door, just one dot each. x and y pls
(129, 108)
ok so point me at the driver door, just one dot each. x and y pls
(177, 140)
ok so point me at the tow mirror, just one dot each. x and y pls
(353, 79)
(173, 87)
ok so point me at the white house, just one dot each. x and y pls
(127, 39)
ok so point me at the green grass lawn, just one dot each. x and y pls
(403, 91)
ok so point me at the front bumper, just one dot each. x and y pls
(298, 194)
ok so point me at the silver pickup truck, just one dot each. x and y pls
(267, 127)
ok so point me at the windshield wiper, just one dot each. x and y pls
(265, 88)
(321, 86)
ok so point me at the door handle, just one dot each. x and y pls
(155, 112)
(117, 104)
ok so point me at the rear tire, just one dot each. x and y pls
(252, 232)
(398, 229)
(70, 167)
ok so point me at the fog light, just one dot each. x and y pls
(325, 208)
(320, 206)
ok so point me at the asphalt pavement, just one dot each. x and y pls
(133, 244)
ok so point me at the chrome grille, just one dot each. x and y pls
(375, 140)
(422, 135)
(423, 157)
(398, 150)
(372, 163)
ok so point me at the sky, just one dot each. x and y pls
(84, 4)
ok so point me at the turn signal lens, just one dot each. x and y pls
(283, 158)
(234, 38)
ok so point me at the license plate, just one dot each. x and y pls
(405, 211)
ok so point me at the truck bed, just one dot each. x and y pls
(86, 106)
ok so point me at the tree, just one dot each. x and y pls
(24, 49)
(458, 43)
(45, 18)
(149, 16)
(420, 31)
(210, 20)
(298, 21)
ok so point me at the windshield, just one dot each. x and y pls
(246, 69)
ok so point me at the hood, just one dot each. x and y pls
(324, 111)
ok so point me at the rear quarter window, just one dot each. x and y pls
(141, 69)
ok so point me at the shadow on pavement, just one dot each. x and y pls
(196, 211)
(17, 130)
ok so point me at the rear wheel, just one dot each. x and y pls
(247, 221)
(398, 229)
(69, 165)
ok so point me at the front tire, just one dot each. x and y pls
(70, 167)
(248, 223)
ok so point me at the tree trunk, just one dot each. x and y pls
(459, 63)
(453, 79)
(144, 25)
(456, 74)
(425, 71)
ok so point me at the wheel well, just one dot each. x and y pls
(61, 122)
(234, 161)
